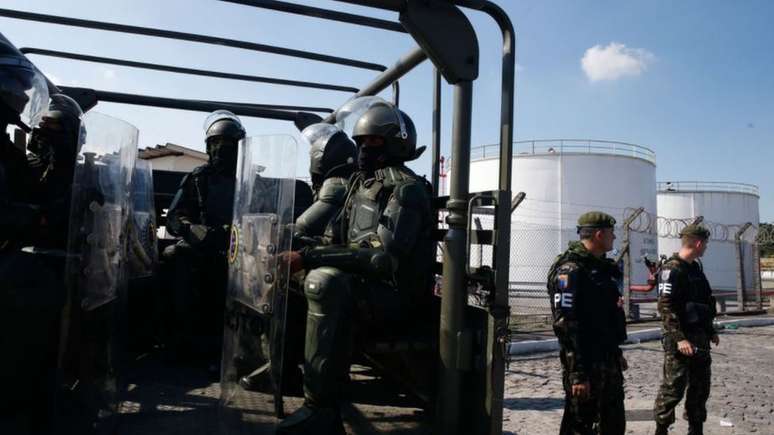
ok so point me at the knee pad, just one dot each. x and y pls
(326, 285)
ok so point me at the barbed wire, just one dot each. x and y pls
(647, 222)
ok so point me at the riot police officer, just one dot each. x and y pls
(30, 288)
(590, 325)
(332, 158)
(377, 276)
(687, 310)
(201, 215)
(332, 161)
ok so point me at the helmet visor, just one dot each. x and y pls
(219, 115)
(23, 90)
(317, 135)
(352, 110)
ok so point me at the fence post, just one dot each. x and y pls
(627, 260)
(756, 258)
(740, 278)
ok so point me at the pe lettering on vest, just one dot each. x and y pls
(665, 288)
(563, 300)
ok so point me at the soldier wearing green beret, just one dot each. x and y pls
(687, 310)
(589, 322)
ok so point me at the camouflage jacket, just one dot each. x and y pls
(685, 300)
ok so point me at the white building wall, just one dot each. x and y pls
(182, 163)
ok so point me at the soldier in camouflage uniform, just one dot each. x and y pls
(583, 286)
(380, 273)
(687, 310)
(201, 215)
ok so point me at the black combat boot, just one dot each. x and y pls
(662, 429)
(695, 428)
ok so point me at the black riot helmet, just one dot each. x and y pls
(23, 90)
(57, 134)
(223, 131)
(331, 152)
(387, 121)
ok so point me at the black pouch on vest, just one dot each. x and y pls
(696, 313)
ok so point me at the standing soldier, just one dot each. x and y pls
(201, 214)
(687, 310)
(590, 325)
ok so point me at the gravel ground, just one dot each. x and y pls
(742, 388)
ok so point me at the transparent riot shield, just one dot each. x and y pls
(95, 272)
(258, 281)
(143, 254)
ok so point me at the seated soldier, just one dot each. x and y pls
(378, 276)
(332, 161)
(201, 215)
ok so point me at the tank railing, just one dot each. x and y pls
(569, 146)
(707, 186)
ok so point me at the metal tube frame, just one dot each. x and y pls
(388, 77)
(454, 291)
(325, 14)
(254, 110)
(190, 71)
(436, 144)
(183, 36)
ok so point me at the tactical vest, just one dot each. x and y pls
(215, 196)
(698, 311)
(368, 208)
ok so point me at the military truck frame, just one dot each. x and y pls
(472, 340)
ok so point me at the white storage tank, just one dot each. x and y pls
(562, 180)
(725, 208)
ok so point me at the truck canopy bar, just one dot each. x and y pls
(180, 70)
(284, 113)
(205, 39)
(325, 14)
(390, 76)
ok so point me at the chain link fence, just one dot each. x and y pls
(732, 266)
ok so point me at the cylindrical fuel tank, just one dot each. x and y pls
(563, 179)
(725, 208)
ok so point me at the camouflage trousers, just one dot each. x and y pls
(603, 411)
(682, 371)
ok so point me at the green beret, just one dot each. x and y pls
(596, 219)
(694, 230)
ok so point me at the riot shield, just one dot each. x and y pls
(95, 272)
(143, 254)
(258, 281)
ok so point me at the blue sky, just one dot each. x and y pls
(692, 80)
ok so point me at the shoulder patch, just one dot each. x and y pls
(563, 279)
(666, 274)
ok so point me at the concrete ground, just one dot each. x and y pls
(743, 382)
